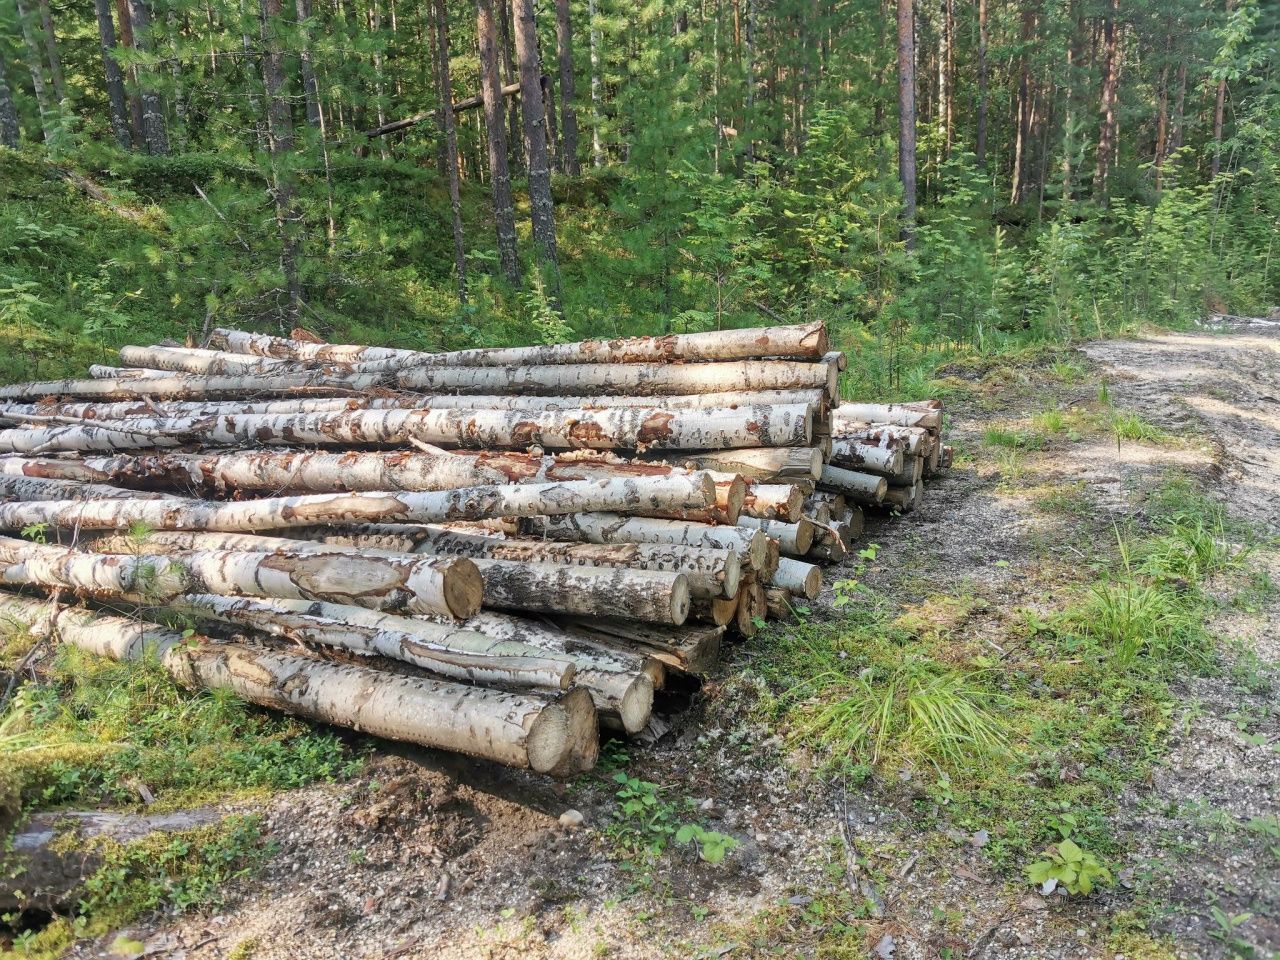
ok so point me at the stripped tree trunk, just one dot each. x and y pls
(513, 729)
(617, 428)
(907, 117)
(464, 503)
(766, 464)
(691, 650)
(193, 387)
(449, 586)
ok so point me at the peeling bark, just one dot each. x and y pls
(794, 539)
(751, 545)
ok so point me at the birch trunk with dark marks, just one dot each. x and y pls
(860, 456)
(751, 545)
(859, 487)
(805, 341)
(765, 464)
(464, 503)
(519, 730)
(798, 577)
(648, 595)
(636, 379)
(206, 362)
(711, 571)
(114, 81)
(691, 650)
(189, 387)
(529, 667)
(449, 586)
(907, 439)
(26, 488)
(613, 429)
(10, 129)
(773, 501)
(860, 415)
(794, 539)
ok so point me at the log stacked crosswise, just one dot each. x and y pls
(488, 551)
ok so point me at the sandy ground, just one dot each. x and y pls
(426, 855)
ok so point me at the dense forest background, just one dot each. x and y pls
(932, 178)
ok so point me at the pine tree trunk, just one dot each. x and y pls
(114, 78)
(1162, 117)
(449, 586)
(51, 46)
(1110, 86)
(35, 64)
(907, 118)
(496, 135)
(135, 97)
(310, 85)
(1219, 112)
(10, 131)
(1176, 134)
(154, 134)
(534, 117)
(451, 147)
(280, 133)
(568, 112)
(597, 148)
(516, 730)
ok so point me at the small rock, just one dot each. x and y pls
(572, 819)
(442, 887)
(706, 804)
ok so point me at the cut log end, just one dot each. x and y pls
(636, 704)
(549, 743)
(582, 728)
(463, 587)
(681, 598)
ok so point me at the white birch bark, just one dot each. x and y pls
(38, 488)
(927, 415)
(691, 649)
(519, 730)
(860, 487)
(852, 455)
(449, 586)
(207, 362)
(180, 409)
(518, 665)
(192, 386)
(751, 545)
(800, 342)
(102, 371)
(798, 577)
(773, 501)
(636, 379)
(623, 428)
(907, 439)
(464, 503)
(794, 539)
(765, 465)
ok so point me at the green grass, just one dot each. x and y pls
(1131, 427)
(1013, 439)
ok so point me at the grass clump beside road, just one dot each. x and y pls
(1033, 738)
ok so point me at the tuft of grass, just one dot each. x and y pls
(918, 710)
(1013, 439)
(1131, 427)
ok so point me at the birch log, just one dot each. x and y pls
(622, 428)
(908, 439)
(773, 501)
(852, 455)
(904, 499)
(450, 586)
(927, 415)
(798, 577)
(861, 487)
(752, 608)
(527, 668)
(101, 371)
(519, 730)
(828, 543)
(38, 488)
(635, 379)
(466, 503)
(692, 650)
(711, 572)
(177, 409)
(191, 386)
(765, 465)
(800, 342)
(751, 545)
(794, 539)
(207, 362)
(714, 610)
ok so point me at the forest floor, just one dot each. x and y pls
(423, 855)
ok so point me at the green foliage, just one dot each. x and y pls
(646, 822)
(1067, 865)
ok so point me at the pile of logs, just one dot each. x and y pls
(488, 551)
